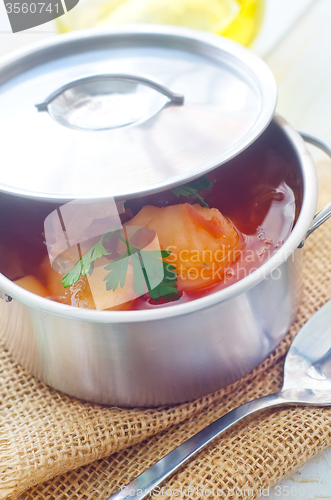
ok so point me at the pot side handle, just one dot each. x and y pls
(325, 213)
(5, 297)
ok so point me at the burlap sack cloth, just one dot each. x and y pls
(45, 434)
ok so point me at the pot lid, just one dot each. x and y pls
(127, 112)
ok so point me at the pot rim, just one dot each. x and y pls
(307, 212)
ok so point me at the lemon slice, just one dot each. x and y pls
(211, 15)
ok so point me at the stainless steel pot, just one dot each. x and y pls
(171, 354)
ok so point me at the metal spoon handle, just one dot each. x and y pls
(140, 487)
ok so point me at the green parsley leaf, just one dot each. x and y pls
(153, 266)
(168, 286)
(117, 275)
(73, 275)
(138, 276)
(201, 183)
(85, 264)
(191, 188)
(150, 272)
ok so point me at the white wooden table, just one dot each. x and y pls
(295, 41)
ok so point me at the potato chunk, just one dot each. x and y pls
(203, 243)
(89, 291)
(31, 284)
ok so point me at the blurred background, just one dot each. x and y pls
(258, 24)
(236, 19)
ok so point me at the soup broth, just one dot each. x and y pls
(259, 192)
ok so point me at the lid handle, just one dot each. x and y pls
(107, 101)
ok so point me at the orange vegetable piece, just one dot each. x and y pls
(212, 226)
(33, 285)
(203, 243)
(89, 291)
